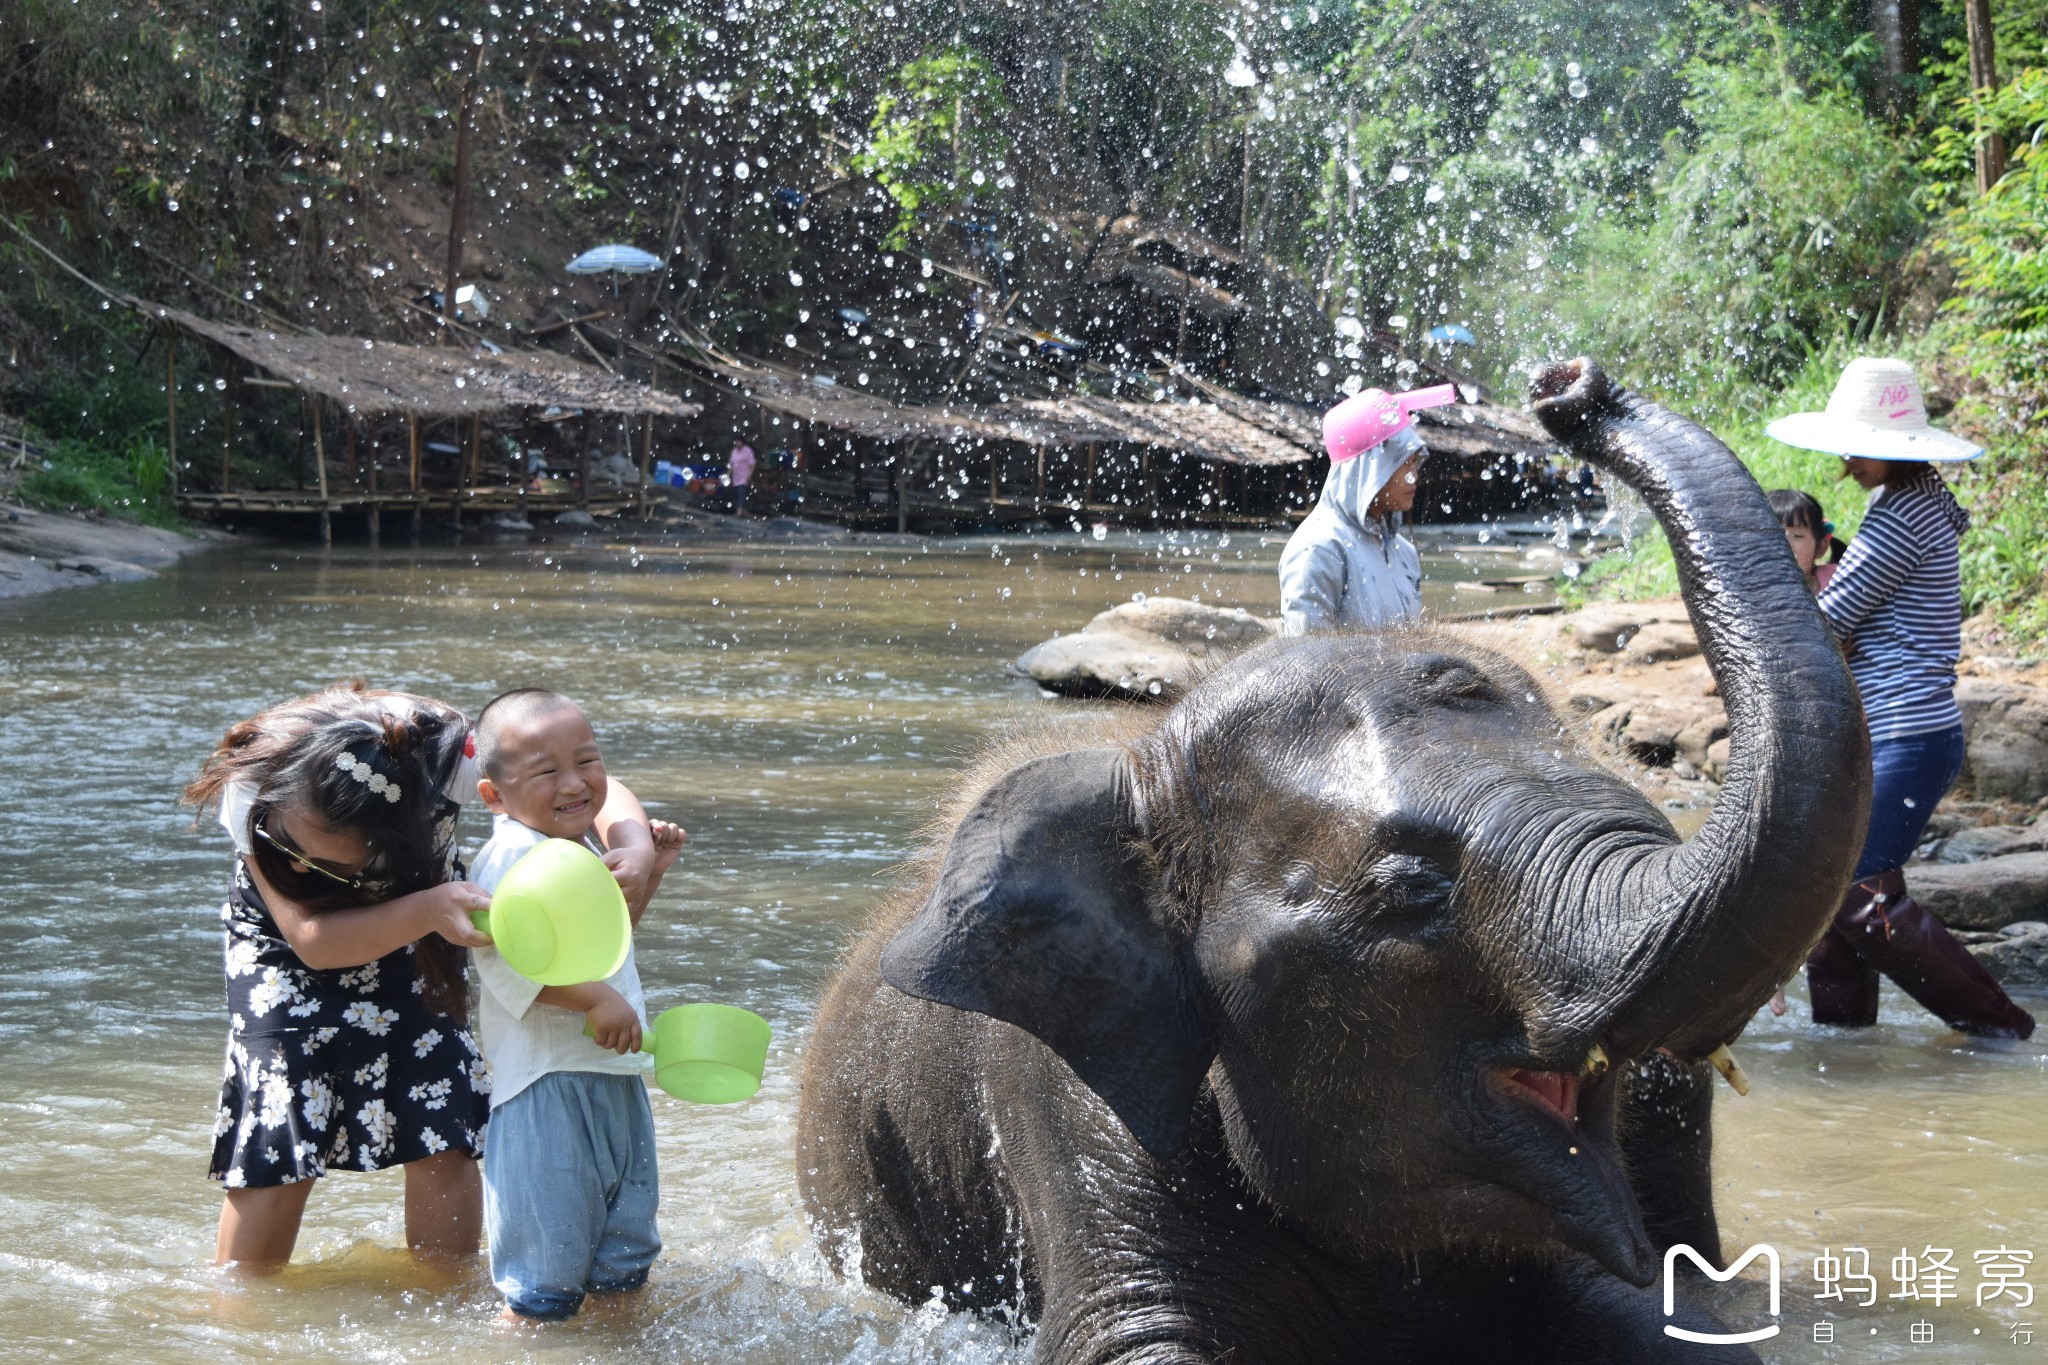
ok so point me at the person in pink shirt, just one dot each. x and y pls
(741, 469)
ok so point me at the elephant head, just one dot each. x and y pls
(1367, 893)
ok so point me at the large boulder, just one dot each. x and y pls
(1152, 649)
(2017, 954)
(1987, 894)
(2006, 724)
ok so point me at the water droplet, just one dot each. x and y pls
(1098, 531)
(1578, 89)
(1911, 804)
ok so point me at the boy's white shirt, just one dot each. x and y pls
(522, 1039)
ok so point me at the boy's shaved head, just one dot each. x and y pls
(505, 714)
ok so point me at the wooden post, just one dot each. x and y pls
(995, 474)
(646, 459)
(583, 465)
(227, 435)
(470, 470)
(1088, 480)
(320, 468)
(171, 404)
(355, 473)
(1151, 488)
(376, 513)
(1984, 80)
(903, 488)
(413, 484)
(523, 473)
(1038, 485)
(299, 449)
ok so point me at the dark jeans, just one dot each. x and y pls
(1908, 776)
(1880, 928)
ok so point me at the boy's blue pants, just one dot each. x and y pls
(570, 1191)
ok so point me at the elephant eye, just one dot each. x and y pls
(1403, 884)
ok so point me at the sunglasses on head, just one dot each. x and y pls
(350, 881)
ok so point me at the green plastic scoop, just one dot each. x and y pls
(710, 1054)
(558, 917)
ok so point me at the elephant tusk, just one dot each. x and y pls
(1730, 1069)
(1596, 1061)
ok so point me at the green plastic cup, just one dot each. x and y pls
(707, 1054)
(558, 917)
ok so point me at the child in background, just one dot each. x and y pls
(1810, 534)
(570, 1185)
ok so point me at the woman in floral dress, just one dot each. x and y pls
(347, 925)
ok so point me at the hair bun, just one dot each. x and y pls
(397, 737)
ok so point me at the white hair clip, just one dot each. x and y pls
(368, 776)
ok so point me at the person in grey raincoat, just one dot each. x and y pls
(1347, 564)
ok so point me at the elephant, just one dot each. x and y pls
(1303, 1021)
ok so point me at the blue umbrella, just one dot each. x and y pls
(1450, 333)
(615, 259)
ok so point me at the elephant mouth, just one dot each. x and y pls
(1547, 1133)
(1556, 1091)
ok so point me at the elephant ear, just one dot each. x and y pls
(1042, 917)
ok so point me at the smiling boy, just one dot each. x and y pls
(570, 1186)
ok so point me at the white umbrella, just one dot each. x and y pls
(615, 259)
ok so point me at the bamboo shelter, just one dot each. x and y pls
(356, 379)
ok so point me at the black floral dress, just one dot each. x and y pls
(345, 1070)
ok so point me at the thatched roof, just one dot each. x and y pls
(1218, 424)
(369, 376)
(1201, 429)
(862, 414)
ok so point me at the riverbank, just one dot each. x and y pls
(42, 551)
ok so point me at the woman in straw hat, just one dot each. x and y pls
(1896, 603)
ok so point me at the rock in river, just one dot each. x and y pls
(2017, 954)
(2007, 725)
(1151, 649)
(1988, 894)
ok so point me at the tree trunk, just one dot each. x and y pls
(1983, 80)
(1897, 26)
(458, 211)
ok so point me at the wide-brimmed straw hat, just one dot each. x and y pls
(1875, 412)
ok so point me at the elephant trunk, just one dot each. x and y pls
(1714, 924)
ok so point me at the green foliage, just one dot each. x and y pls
(1995, 241)
(937, 142)
(128, 482)
(1779, 224)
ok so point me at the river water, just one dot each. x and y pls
(798, 707)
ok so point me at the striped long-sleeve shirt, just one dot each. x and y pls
(1898, 593)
